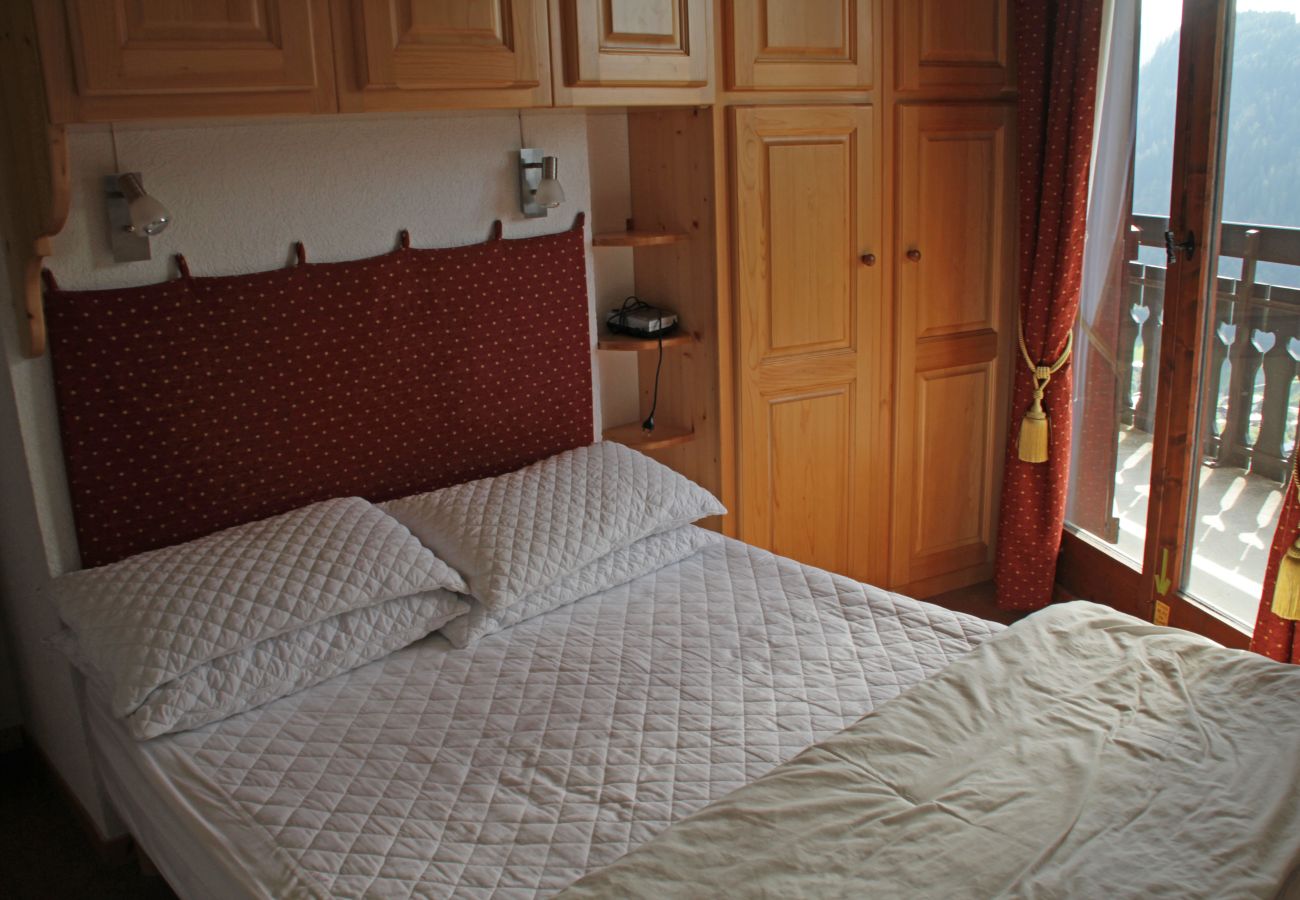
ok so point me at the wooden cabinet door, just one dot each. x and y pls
(955, 317)
(954, 44)
(159, 58)
(423, 54)
(800, 44)
(814, 480)
(640, 50)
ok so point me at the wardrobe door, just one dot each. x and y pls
(632, 51)
(813, 477)
(129, 59)
(955, 307)
(423, 54)
(800, 44)
(955, 45)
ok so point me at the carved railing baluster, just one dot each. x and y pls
(1268, 457)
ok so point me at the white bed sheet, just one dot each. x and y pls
(538, 754)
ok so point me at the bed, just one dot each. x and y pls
(369, 614)
(517, 765)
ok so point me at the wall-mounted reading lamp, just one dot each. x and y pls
(133, 217)
(539, 185)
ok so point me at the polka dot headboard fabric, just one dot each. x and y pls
(202, 403)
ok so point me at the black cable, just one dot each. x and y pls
(649, 423)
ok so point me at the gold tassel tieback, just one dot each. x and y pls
(1032, 447)
(1286, 596)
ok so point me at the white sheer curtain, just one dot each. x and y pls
(1096, 371)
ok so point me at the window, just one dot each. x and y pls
(1218, 426)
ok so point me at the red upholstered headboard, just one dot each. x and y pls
(201, 403)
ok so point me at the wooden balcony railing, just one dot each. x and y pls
(1257, 329)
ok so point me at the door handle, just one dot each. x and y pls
(868, 259)
(914, 255)
(1172, 247)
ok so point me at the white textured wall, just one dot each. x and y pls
(241, 194)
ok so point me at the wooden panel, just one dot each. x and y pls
(812, 336)
(948, 491)
(799, 44)
(121, 59)
(810, 500)
(632, 51)
(958, 198)
(810, 295)
(955, 303)
(954, 44)
(421, 54)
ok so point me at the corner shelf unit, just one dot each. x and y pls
(675, 184)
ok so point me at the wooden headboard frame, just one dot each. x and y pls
(201, 403)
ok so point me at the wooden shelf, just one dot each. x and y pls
(631, 435)
(608, 341)
(637, 238)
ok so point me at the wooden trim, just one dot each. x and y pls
(633, 435)
(626, 342)
(34, 167)
(1086, 572)
(1197, 145)
(635, 238)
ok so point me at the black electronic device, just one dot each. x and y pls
(639, 319)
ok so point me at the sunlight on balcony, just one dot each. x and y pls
(1229, 544)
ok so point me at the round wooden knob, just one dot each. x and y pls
(914, 255)
(868, 259)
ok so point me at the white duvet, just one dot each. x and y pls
(552, 748)
(1080, 753)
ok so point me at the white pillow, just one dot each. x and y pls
(148, 620)
(284, 665)
(515, 534)
(618, 567)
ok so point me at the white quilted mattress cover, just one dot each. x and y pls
(515, 766)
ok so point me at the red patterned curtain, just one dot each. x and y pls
(1058, 44)
(1276, 637)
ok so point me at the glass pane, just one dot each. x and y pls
(1249, 388)
(1121, 310)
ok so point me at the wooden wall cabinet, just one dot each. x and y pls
(954, 46)
(814, 482)
(632, 51)
(109, 60)
(424, 54)
(128, 59)
(953, 257)
(776, 45)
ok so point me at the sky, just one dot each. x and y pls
(1160, 18)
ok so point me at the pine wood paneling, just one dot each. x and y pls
(799, 44)
(954, 46)
(632, 51)
(813, 425)
(424, 54)
(954, 302)
(673, 180)
(124, 59)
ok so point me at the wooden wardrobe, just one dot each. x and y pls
(870, 162)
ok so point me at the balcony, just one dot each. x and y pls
(1248, 445)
